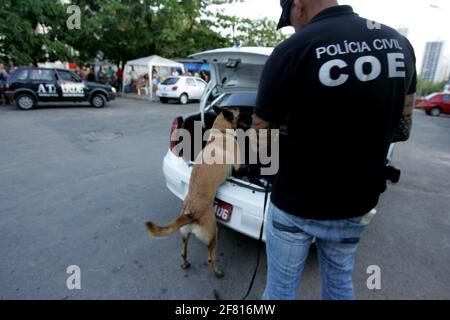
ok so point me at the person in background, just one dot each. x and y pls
(204, 76)
(11, 66)
(155, 82)
(142, 84)
(85, 72)
(3, 79)
(102, 76)
(78, 71)
(110, 73)
(119, 79)
(91, 75)
(175, 72)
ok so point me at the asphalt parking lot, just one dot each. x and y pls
(77, 184)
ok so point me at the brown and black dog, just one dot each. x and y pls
(197, 215)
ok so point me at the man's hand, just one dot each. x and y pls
(404, 129)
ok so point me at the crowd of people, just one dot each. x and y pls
(141, 83)
(102, 75)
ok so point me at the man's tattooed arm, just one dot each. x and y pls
(404, 129)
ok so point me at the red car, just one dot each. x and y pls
(437, 103)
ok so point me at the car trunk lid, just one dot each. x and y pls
(232, 70)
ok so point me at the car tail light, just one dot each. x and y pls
(176, 124)
(174, 88)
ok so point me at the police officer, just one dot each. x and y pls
(341, 85)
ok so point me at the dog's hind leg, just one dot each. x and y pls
(212, 246)
(185, 233)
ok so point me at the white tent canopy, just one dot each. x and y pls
(142, 66)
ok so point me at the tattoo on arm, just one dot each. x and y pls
(404, 129)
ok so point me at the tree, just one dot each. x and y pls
(259, 32)
(425, 87)
(121, 30)
(32, 31)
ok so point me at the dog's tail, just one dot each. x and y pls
(156, 231)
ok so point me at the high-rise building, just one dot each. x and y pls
(431, 59)
(443, 71)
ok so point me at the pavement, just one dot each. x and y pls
(77, 184)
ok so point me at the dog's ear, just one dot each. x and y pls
(217, 110)
(229, 116)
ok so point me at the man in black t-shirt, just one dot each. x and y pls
(341, 85)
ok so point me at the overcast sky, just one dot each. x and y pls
(425, 23)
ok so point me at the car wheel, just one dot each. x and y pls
(184, 99)
(25, 101)
(98, 100)
(164, 100)
(435, 112)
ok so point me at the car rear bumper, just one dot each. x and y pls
(247, 204)
(167, 94)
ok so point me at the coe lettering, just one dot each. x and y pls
(366, 68)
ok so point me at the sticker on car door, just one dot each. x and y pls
(72, 89)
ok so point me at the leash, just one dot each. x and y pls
(260, 242)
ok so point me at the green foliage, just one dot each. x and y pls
(259, 33)
(19, 39)
(120, 30)
(425, 87)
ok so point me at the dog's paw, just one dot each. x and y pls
(185, 265)
(219, 274)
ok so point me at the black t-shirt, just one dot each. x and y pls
(339, 85)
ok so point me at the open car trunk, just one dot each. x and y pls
(245, 101)
(235, 76)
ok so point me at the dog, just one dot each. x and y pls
(197, 215)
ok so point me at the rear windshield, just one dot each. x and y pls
(170, 81)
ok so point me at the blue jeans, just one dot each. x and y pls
(288, 239)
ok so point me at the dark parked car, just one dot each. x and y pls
(29, 86)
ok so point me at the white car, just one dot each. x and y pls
(235, 75)
(181, 88)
